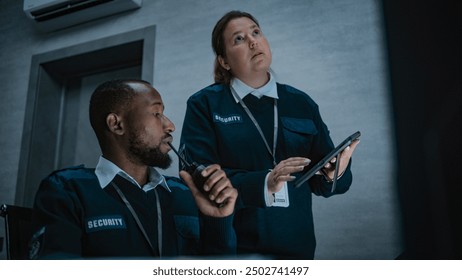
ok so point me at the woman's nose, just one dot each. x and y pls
(252, 42)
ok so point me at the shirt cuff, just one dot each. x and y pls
(269, 198)
(282, 196)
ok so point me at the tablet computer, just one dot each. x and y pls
(320, 164)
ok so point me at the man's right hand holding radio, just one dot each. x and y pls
(220, 196)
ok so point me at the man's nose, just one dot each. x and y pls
(168, 124)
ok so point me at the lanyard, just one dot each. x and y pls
(138, 222)
(275, 131)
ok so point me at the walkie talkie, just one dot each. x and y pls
(193, 169)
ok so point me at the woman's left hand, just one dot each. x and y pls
(345, 155)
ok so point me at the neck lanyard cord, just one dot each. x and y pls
(138, 222)
(275, 130)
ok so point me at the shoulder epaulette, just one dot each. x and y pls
(76, 167)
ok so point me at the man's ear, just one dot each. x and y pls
(114, 123)
(223, 63)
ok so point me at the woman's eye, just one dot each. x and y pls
(256, 32)
(238, 39)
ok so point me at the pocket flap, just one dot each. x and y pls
(303, 126)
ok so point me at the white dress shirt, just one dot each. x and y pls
(106, 171)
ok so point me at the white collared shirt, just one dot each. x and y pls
(106, 171)
(281, 198)
(269, 89)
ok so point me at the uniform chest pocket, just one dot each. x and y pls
(298, 135)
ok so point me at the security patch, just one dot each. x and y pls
(93, 224)
(230, 119)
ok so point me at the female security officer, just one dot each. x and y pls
(263, 134)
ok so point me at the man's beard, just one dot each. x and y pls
(148, 156)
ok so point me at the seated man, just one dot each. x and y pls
(124, 208)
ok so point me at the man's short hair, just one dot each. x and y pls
(110, 97)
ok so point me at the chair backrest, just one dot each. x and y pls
(18, 230)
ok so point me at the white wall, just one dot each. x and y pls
(331, 49)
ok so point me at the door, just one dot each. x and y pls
(79, 144)
(57, 131)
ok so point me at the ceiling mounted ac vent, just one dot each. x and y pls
(51, 15)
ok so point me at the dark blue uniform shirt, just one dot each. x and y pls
(75, 218)
(216, 129)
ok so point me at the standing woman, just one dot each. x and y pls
(263, 134)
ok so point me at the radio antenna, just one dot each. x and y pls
(179, 156)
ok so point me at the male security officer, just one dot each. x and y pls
(124, 208)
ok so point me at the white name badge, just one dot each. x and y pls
(281, 198)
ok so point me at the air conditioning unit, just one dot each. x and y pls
(51, 15)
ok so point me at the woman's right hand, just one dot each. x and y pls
(282, 172)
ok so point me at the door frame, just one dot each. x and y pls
(49, 77)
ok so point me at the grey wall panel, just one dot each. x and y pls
(331, 49)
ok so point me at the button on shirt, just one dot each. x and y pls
(281, 198)
(106, 171)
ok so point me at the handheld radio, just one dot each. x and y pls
(193, 169)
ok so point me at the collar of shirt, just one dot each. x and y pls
(242, 89)
(106, 171)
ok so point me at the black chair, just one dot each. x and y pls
(18, 230)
